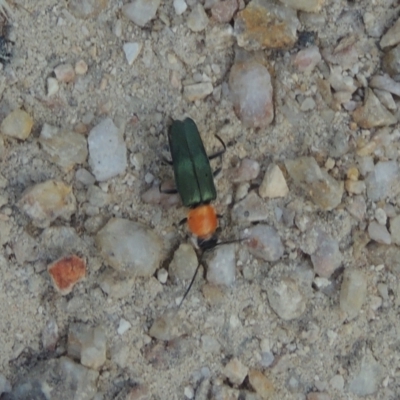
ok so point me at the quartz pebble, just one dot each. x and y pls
(65, 73)
(392, 36)
(286, 299)
(261, 384)
(184, 263)
(129, 247)
(318, 396)
(264, 242)
(197, 19)
(235, 371)
(357, 207)
(107, 151)
(123, 326)
(367, 381)
(18, 124)
(197, 91)
(180, 6)
(383, 181)
(307, 59)
(373, 114)
(327, 257)
(52, 86)
(67, 272)
(252, 94)
(81, 67)
(246, 171)
(132, 51)
(47, 201)
(87, 8)
(379, 233)
(221, 265)
(224, 11)
(251, 209)
(266, 24)
(64, 148)
(324, 190)
(141, 12)
(88, 344)
(273, 184)
(386, 99)
(353, 292)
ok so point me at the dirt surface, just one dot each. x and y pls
(310, 353)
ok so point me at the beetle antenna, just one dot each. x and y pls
(192, 281)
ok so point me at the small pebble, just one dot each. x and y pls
(93, 352)
(353, 292)
(311, 6)
(83, 176)
(141, 12)
(197, 19)
(325, 191)
(224, 11)
(188, 392)
(47, 201)
(273, 184)
(380, 216)
(197, 91)
(373, 114)
(162, 275)
(337, 382)
(81, 67)
(67, 272)
(261, 384)
(235, 371)
(264, 25)
(180, 6)
(252, 94)
(383, 181)
(221, 265)
(50, 335)
(129, 247)
(327, 258)
(52, 86)
(379, 233)
(18, 124)
(65, 73)
(307, 59)
(286, 299)
(246, 171)
(123, 326)
(64, 148)
(264, 242)
(87, 8)
(132, 51)
(184, 263)
(318, 396)
(107, 151)
(251, 209)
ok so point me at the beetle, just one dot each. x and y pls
(194, 180)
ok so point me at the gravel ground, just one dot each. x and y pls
(306, 307)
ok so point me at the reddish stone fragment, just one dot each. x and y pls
(66, 272)
(224, 11)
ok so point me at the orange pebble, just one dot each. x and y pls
(66, 272)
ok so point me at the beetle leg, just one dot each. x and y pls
(217, 171)
(218, 153)
(182, 221)
(166, 191)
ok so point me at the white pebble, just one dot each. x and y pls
(162, 275)
(52, 86)
(180, 6)
(132, 51)
(189, 392)
(380, 216)
(124, 325)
